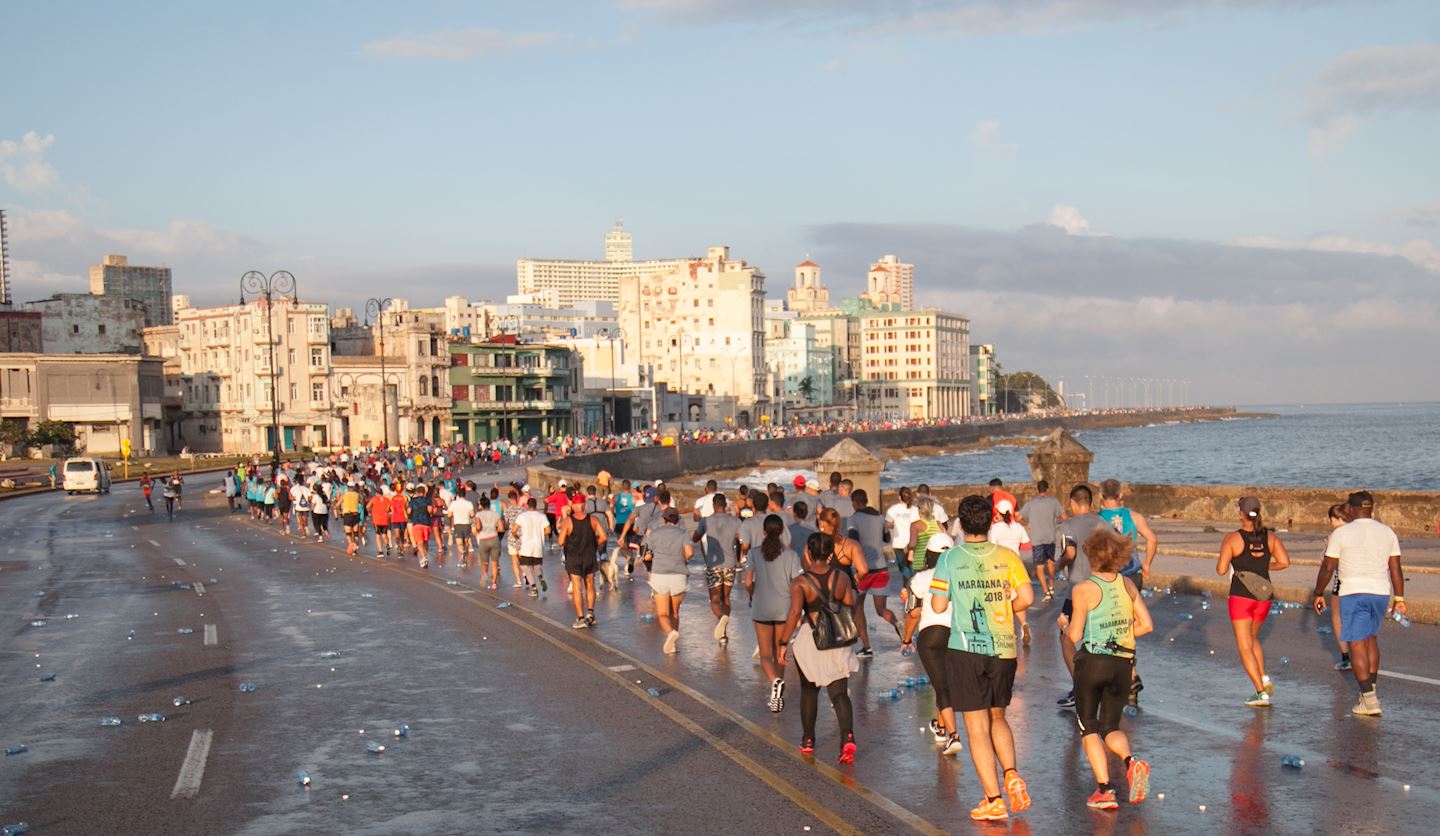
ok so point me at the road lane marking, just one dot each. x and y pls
(212, 636)
(1411, 677)
(178, 561)
(153, 543)
(622, 668)
(199, 588)
(192, 770)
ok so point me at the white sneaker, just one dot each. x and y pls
(720, 627)
(1368, 706)
(755, 654)
(670, 641)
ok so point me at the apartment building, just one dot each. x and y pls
(562, 283)
(914, 364)
(150, 286)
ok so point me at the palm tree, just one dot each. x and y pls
(807, 388)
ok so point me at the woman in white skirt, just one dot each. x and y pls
(828, 669)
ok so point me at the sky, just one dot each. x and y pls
(1244, 195)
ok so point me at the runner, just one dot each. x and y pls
(667, 553)
(849, 558)
(1132, 525)
(378, 507)
(928, 633)
(399, 529)
(531, 528)
(284, 505)
(1071, 542)
(1005, 531)
(926, 524)
(300, 499)
(439, 506)
(767, 580)
(998, 494)
(177, 484)
(461, 513)
(1337, 515)
(489, 528)
(171, 495)
(1252, 552)
(1367, 554)
(350, 519)
(898, 520)
(419, 529)
(1108, 616)
(1042, 515)
(867, 528)
(718, 534)
(982, 585)
(320, 513)
(147, 486)
(513, 508)
(810, 593)
(581, 536)
(801, 529)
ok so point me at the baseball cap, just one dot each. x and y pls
(1004, 507)
(577, 499)
(1250, 506)
(811, 483)
(563, 483)
(939, 542)
(799, 482)
(1360, 499)
(659, 483)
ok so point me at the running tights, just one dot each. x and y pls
(839, 691)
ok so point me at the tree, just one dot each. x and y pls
(1024, 392)
(53, 432)
(14, 432)
(807, 388)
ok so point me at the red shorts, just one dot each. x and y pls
(420, 532)
(874, 580)
(1243, 608)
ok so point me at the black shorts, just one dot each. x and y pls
(1042, 553)
(583, 565)
(350, 520)
(1102, 689)
(932, 645)
(978, 682)
(529, 561)
(381, 528)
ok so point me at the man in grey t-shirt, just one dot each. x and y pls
(1071, 540)
(720, 535)
(867, 527)
(1041, 516)
(752, 531)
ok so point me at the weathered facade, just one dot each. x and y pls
(105, 397)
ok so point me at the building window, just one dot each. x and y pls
(75, 329)
(460, 359)
(460, 393)
(292, 356)
(294, 392)
(424, 386)
(102, 329)
(317, 391)
(317, 358)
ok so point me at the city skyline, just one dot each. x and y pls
(1244, 197)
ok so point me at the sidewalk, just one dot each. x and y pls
(1190, 539)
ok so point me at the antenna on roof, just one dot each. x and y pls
(5, 300)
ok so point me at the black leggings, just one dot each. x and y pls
(1102, 689)
(932, 643)
(839, 692)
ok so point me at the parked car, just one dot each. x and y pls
(85, 474)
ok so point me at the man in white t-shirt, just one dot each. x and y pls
(928, 633)
(1367, 553)
(532, 527)
(461, 512)
(705, 505)
(898, 518)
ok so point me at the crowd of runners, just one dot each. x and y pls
(807, 559)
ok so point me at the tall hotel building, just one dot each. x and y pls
(560, 283)
(150, 286)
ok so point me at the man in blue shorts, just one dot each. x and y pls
(1367, 553)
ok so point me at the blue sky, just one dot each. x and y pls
(370, 146)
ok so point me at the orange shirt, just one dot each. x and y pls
(399, 512)
(379, 508)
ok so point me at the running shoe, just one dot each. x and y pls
(847, 751)
(580, 624)
(1049, 596)
(1018, 792)
(545, 587)
(518, 585)
(807, 745)
(990, 810)
(756, 653)
(953, 746)
(1343, 664)
(865, 653)
(1368, 706)
(1138, 776)
(670, 640)
(1136, 686)
(1025, 633)
(1269, 686)
(534, 593)
(1067, 701)
(719, 632)
(1259, 700)
(590, 618)
(777, 698)
(939, 731)
(1102, 800)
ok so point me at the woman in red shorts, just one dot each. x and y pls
(1252, 553)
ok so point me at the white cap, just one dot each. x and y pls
(939, 542)
(1004, 507)
(659, 483)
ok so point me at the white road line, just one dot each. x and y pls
(153, 543)
(1411, 677)
(199, 588)
(212, 636)
(187, 783)
(178, 561)
(622, 668)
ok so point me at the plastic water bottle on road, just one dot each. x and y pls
(1292, 761)
(303, 778)
(374, 747)
(111, 721)
(152, 717)
(15, 829)
(16, 750)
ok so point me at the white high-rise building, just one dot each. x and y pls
(915, 364)
(890, 284)
(563, 282)
(808, 295)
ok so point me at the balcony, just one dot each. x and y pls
(514, 371)
(513, 406)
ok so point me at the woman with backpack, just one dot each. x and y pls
(1252, 552)
(824, 644)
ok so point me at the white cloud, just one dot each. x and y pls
(22, 162)
(1069, 219)
(1367, 82)
(986, 137)
(1426, 216)
(458, 44)
(1419, 252)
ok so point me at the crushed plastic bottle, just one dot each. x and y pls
(502, 605)
(39, 595)
(452, 583)
(49, 677)
(374, 747)
(923, 679)
(15, 829)
(906, 651)
(152, 717)
(1401, 618)
(130, 635)
(1325, 629)
(330, 654)
(179, 701)
(111, 721)
(39, 622)
(893, 693)
(1185, 616)
(652, 692)
(649, 616)
(185, 631)
(303, 777)
(71, 616)
(1284, 660)
(402, 730)
(16, 750)
(1292, 761)
(1204, 605)
(247, 687)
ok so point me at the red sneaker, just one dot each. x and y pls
(1102, 800)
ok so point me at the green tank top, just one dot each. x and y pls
(922, 540)
(1110, 627)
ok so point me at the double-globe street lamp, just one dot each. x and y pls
(257, 285)
(375, 308)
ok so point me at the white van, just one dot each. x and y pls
(86, 474)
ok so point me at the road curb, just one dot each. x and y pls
(1420, 610)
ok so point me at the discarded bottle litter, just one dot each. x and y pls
(1284, 660)
(152, 717)
(1292, 761)
(402, 730)
(71, 616)
(923, 679)
(652, 692)
(16, 750)
(367, 595)
(185, 631)
(130, 635)
(39, 622)
(649, 616)
(49, 677)
(374, 747)
(303, 778)
(1185, 616)
(452, 583)
(502, 605)
(330, 654)
(1401, 618)
(179, 701)
(39, 595)
(15, 829)
(906, 651)
(1324, 629)
(247, 687)
(111, 721)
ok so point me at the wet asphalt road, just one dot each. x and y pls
(518, 722)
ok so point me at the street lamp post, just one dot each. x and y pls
(606, 333)
(376, 308)
(257, 285)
